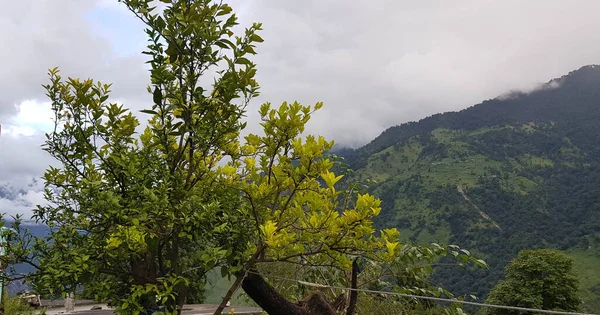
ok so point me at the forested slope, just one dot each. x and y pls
(517, 172)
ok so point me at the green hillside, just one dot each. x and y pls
(513, 173)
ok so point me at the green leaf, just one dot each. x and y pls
(172, 51)
(250, 50)
(160, 23)
(480, 263)
(149, 111)
(221, 44)
(224, 271)
(157, 96)
(225, 9)
(256, 38)
(227, 42)
(243, 61)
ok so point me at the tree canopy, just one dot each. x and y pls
(139, 210)
(542, 279)
(135, 207)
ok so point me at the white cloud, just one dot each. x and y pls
(41, 34)
(32, 117)
(23, 204)
(375, 64)
(381, 63)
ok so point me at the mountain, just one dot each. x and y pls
(520, 171)
(17, 286)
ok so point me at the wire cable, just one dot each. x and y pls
(516, 308)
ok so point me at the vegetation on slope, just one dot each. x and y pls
(510, 174)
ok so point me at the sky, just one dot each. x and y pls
(374, 64)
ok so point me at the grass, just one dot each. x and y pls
(586, 264)
(217, 286)
(391, 162)
(520, 184)
(15, 305)
(406, 234)
(441, 235)
(461, 166)
(482, 131)
(533, 160)
(402, 162)
(451, 171)
(530, 127)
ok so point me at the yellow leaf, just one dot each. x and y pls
(268, 229)
(391, 247)
(376, 210)
(313, 220)
(330, 178)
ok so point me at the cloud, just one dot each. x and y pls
(23, 204)
(374, 64)
(39, 35)
(22, 163)
(381, 63)
(31, 117)
(75, 36)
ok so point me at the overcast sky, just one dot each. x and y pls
(374, 63)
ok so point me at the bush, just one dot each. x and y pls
(17, 306)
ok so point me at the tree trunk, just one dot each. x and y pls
(261, 292)
(182, 291)
(143, 270)
(229, 294)
(353, 294)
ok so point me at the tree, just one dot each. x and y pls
(408, 273)
(293, 210)
(131, 214)
(542, 279)
(139, 213)
(134, 210)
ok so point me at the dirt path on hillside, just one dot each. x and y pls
(483, 214)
